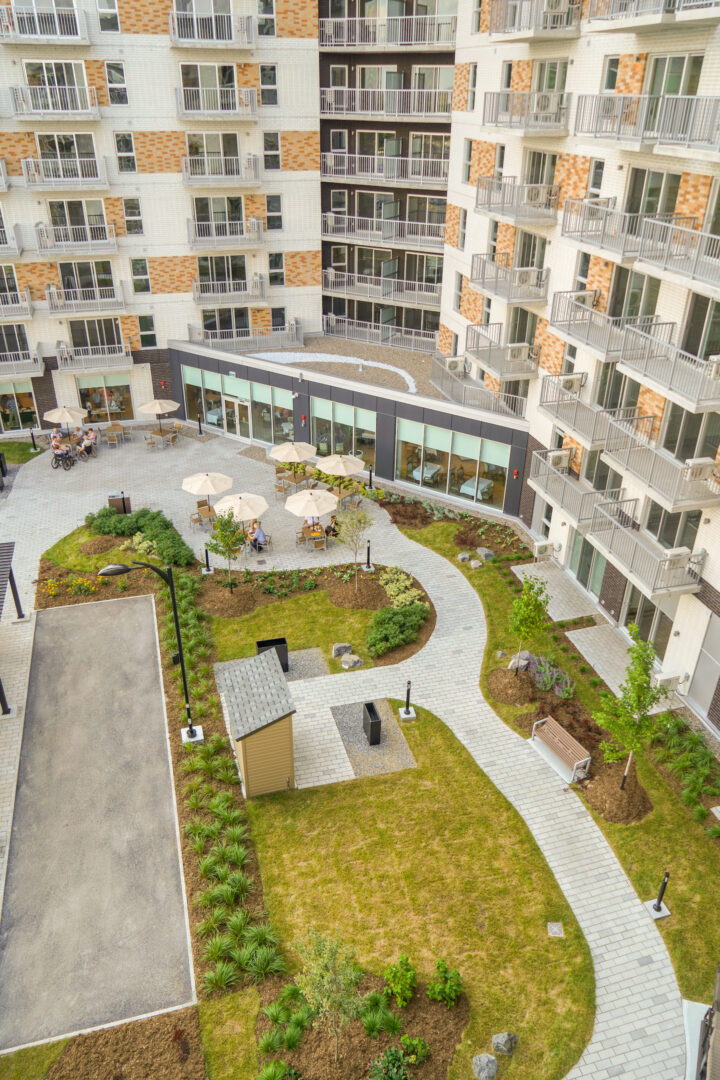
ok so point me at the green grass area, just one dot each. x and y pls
(668, 838)
(227, 1030)
(31, 1064)
(308, 621)
(17, 453)
(433, 861)
(67, 552)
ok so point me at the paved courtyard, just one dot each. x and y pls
(566, 600)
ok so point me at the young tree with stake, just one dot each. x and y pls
(227, 539)
(529, 611)
(353, 526)
(329, 981)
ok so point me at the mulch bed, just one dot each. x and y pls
(164, 1047)
(510, 687)
(137, 584)
(98, 544)
(408, 515)
(602, 791)
(496, 536)
(217, 599)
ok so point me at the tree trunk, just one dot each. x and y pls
(337, 1034)
(517, 657)
(627, 770)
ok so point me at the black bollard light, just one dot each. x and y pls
(122, 496)
(368, 565)
(370, 480)
(657, 906)
(32, 436)
(199, 424)
(407, 698)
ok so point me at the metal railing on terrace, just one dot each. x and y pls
(514, 361)
(100, 237)
(498, 276)
(3, 175)
(189, 28)
(217, 101)
(116, 354)
(371, 287)
(15, 303)
(23, 362)
(393, 336)
(521, 202)
(10, 243)
(617, 10)
(675, 120)
(106, 298)
(535, 18)
(426, 172)
(596, 221)
(224, 233)
(60, 25)
(210, 292)
(574, 314)
(399, 233)
(690, 377)
(426, 31)
(271, 337)
(673, 246)
(64, 172)
(572, 495)
(55, 101)
(469, 392)
(211, 169)
(342, 101)
(537, 111)
(588, 421)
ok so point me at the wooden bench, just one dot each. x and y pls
(565, 748)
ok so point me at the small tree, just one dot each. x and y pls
(226, 540)
(353, 526)
(328, 981)
(629, 718)
(529, 610)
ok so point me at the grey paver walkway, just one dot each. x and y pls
(94, 928)
(566, 601)
(605, 649)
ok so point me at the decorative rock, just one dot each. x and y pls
(485, 1066)
(463, 557)
(350, 660)
(475, 564)
(521, 660)
(485, 553)
(500, 654)
(504, 1043)
(341, 648)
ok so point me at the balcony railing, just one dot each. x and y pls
(51, 25)
(218, 170)
(116, 355)
(379, 288)
(75, 237)
(573, 313)
(205, 31)
(520, 202)
(404, 31)
(535, 18)
(107, 298)
(217, 101)
(55, 101)
(685, 251)
(344, 101)
(20, 363)
(572, 495)
(689, 377)
(500, 278)
(210, 292)
(225, 233)
(471, 393)
(10, 243)
(615, 531)
(674, 120)
(414, 234)
(270, 337)
(411, 171)
(65, 172)
(621, 10)
(542, 112)
(395, 336)
(515, 361)
(596, 221)
(15, 304)
(587, 421)
(3, 175)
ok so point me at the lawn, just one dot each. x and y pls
(433, 861)
(227, 1030)
(17, 453)
(31, 1064)
(67, 552)
(667, 839)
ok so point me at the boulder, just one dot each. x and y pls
(341, 648)
(521, 660)
(485, 553)
(501, 654)
(463, 557)
(504, 1043)
(475, 564)
(485, 1066)
(350, 660)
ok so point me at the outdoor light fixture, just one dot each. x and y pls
(166, 575)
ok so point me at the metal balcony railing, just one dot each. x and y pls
(573, 313)
(3, 175)
(514, 361)
(596, 221)
(499, 277)
(413, 234)
(521, 202)
(371, 287)
(709, 7)
(99, 237)
(538, 111)
(587, 421)
(685, 251)
(212, 292)
(55, 101)
(615, 531)
(393, 336)
(427, 31)
(469, 392)
(10, 243)
(535, 18)
(49, 25)
(15, 304)
(190, 29)
(65, 172)
(23, 362)
(695, 380)
(116, 355)
(412, 171)
(214, 169)
(675, 120)
(344, 101)
(574, 496)
(217, 101)
(618, 10)
(270, 337)
(224, 233)
(107, 298)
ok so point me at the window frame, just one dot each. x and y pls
(275, 214)
(269, 90)
(462, 229)
(149, 331)
(472, 87)
(125, 155)
(128, 219)
(276, 274)
(266, 18)
(457, 291)
(272, 153)
(140, 278)
(108, 8)
(116, 86)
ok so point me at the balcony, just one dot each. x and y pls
(75, 238)
(20, 363)
(517, 361)
(222, 102)
(219, 292)
(697, 12)
(556, 484)
(537, 203)
(215, 170)
(275, 337)
(54, 102)
(392, 290)
(401, 234)
(540, 112)
(10, 243)
(628, 14)
(426, 32)
(535, 20)
(392, 336)
(684, 251)
(514, 284)
(53, 25)
(688, 380)
(393, 171)
(15, 305)
(574, 315)
(597, 222)
(204, 234)
(70, 301)
(382, 104)
(588, 422)
(652, 568)
(673, 120)
(92, 357)
(458, 387)
(211, 31)
(67, 172)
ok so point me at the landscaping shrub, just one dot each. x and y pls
(393, 627)
(686, 755)
(390, 1066)
(399, 587)
(153, 526)
(446, 986)
(400, 981)
(416, 1050)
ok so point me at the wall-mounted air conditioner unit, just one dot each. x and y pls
(559, 459)
(573, 383)
(699, 469)
(526, 277)
(544, 103)
(517, 354)
(556, 7)
(453, 365)
(535, 195)
(543, 549)
(667, 682)
(712, 366)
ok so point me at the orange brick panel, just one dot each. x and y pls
(144, 17)
(505, 239)
(693, 195)
(255, 207)
(460, 87)
(35, 276)
(172, 274)
(299, 150)
(599, 277)
(260, 318)
(15, 145)
(95, 75)
(452, 224)
(482, 160)
(130, 331)
(159, 151)
(491, 383)
(577, 452)
(296, 18)
(248, 75)
(552, 349)
(521, 76)
(303, 268)
(485, 17)
(471, 302)
(650, 403)
(445, 340)
(631, 73)
(114, 215)
(572, 174)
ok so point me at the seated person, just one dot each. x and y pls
(85, 447)
(55, 434)
(92, 436)
(311, 522)
(78, 434)
(332, 529)
(256, 536)
(57, 448)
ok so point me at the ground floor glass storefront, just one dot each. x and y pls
(461, 465)
(241, 408)
(106, 397)
(17, 405)
(343, 429)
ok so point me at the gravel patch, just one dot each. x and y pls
(392, 753)
(255, 453)
(306, 664)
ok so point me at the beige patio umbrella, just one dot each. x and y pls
(342, 465)
(159, 407)
(207, 483)
(244, 506)
(65, 414)
(292, 452)
(311, 503)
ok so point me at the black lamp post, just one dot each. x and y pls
(116, 570)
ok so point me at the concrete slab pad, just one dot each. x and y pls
(567, 601)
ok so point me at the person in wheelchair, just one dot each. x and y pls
(61, 455)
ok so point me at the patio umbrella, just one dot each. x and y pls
(311, 503)
(292, 452)
(159, 406)
(65, 414)
(206, 483)
(244, 506)
(342, 465)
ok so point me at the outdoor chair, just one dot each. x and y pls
(127, 435)
(300, 537)
(171, 439)
(113, 439)
(319, 542)
(178, 425)
(150, 442)
(195, 519)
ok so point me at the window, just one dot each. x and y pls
(690, 435)
(457, 292)
(597, 168)
(675, 74)
(545, 519)
(277, 317)
(108, 16)
(148, 337)
(487, 307)
(17, 404)
(133, 217)
(569, 358)
(673, 530)
(506, 75)
(276, 264)
(476, 13)
(140, 275)
(540, 167)
(522, 326)
(268, 84)
(610, 74)
(499, 160)
(125, 150)
(550, 75)
(462, 229)
(339, 201)
(454, 344)
(115, 78)
(582, 271)
(650, 191)
(338, 140)
(339, 257)
(632, 293)
(209, 87)
(472, 87)
(266, 18)
(467, 160)
(492, 237)
(702, 327)
(271, 149)
(273, 208)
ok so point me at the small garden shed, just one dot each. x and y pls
(258, 711)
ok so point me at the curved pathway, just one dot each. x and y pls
(639, 1031)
